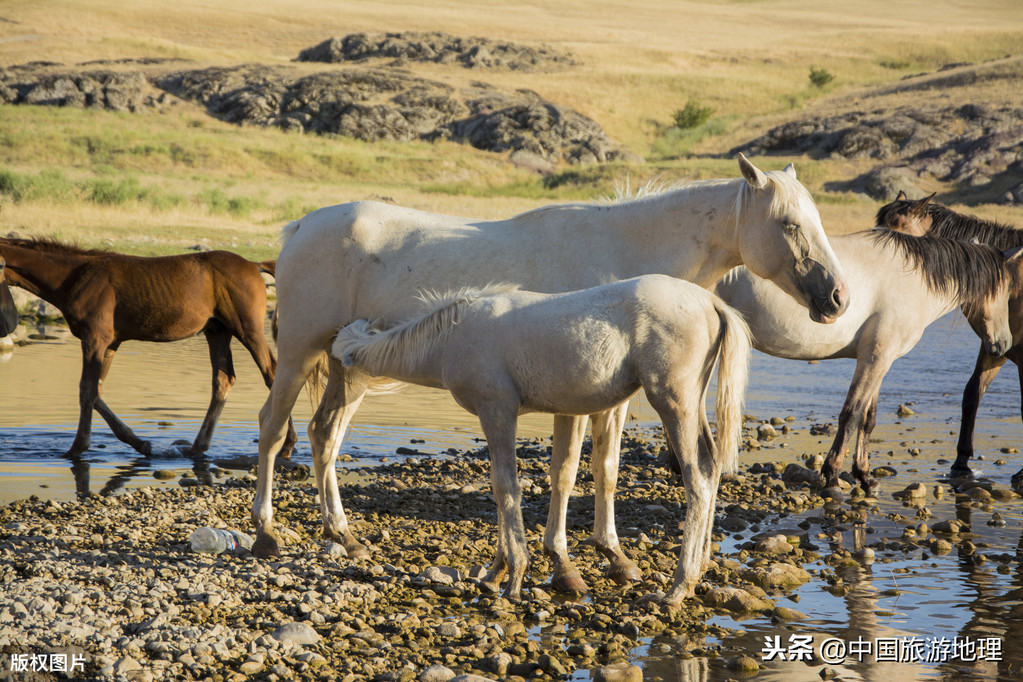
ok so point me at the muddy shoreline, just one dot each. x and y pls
(114, 580)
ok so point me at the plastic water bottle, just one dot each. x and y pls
(217, 540)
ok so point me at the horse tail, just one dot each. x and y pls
(288, 231)
(268, 267)
(733, 368)
(399, 350)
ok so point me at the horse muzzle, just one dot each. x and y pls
(823, 290)
(827, 308)
(997, 347)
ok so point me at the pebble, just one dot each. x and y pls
(411, 611)
(296, 633)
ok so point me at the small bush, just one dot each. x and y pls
(820, 77)
(692, 115)
(895, 64)
(13, 184)
(116, 193)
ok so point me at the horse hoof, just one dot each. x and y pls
(571, 581)
(266, 546)
(960, 472)
(625, 575)
(357, 551)
(834, 492)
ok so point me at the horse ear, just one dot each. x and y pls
(902, 196)
(920, 207)
(1013, 254)
(791, 170)
(753, 175)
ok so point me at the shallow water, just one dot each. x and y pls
(162, 392)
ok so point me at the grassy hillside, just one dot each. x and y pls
(161, 181)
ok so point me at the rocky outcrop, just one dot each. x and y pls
(390, 104)
(113, 90)
(971, 147)
(366, 104)
(473, 53)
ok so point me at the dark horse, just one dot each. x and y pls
(108, 298)
(8, 311)
(923, 216)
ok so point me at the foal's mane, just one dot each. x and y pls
(50, 245)
(961, 270)
(407, 344)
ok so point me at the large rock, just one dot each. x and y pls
(776, 576)
(473, 52)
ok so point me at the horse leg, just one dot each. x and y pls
(866, 383)
(607, 434)
(498, 424)
(861, 459)
(120, 430)
(1016, 355)
(567, 446)
(341, 398)
(88, 392)
(984, 372)
(491, 581)
(274, 417)
(700, 475)
(218, 338)
(708, 452)
(255, 342)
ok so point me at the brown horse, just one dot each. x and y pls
(108, 298)
(924, 216)
(8, 311)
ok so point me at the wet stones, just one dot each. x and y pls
(776, 576)
(736, 599)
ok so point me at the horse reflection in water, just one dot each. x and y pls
(135, 469)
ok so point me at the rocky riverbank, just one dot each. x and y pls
(113, 580)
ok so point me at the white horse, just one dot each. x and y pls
(925, 217)
(368, 260)
(502, 352)
(903, 284)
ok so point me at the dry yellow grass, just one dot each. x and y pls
(639, 62)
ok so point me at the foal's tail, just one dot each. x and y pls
(268, 266)
(733, 368)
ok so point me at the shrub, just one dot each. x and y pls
(692, 115)
(820, 77)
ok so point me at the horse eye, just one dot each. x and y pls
(792, 227)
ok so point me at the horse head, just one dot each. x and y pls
(989, 316)
(783, 241)
(906, 215)
(8, 311)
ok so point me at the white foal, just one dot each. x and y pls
(502, 352)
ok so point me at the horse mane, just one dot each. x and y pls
(51, 245)
(406, 345)
(960, 270)
(788, 190)
(952, 225)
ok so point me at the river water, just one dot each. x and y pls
(916, 603)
